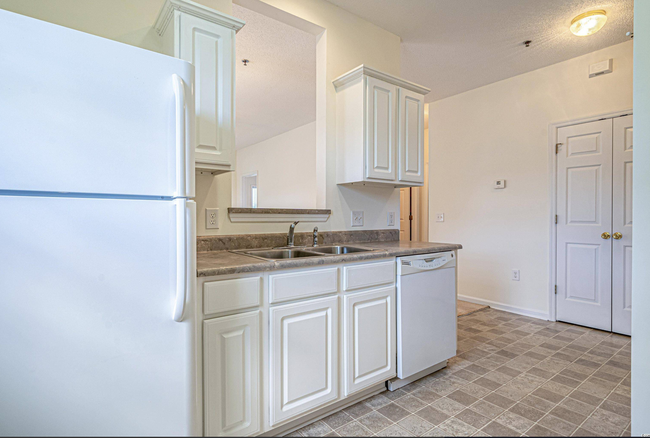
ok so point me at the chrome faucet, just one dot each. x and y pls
(292, 228)
(315, 235)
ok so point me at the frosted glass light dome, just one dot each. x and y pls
(588, 23)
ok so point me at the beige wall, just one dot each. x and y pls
(277, 187)
(349, 42)
(500, 131)
(126, 21)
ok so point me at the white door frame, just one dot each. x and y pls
(552, 160)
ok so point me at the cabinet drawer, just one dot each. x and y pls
(294, 285)
(227, 295)
(368, 275)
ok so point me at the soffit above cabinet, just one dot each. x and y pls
(364, 70)
(200, 11)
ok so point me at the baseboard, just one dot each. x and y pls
(506, 308)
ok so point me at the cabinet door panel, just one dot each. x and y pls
(411, 136)
(369, 338)
(303, 347)
(232, 369)
(381, 127)
(211, 48)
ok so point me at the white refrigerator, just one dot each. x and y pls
(97, 236)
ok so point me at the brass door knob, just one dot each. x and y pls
(618, 236)
(605, 235)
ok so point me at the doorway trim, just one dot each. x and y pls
(552, 161)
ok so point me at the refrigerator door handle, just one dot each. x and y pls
(182, 142)
(185, 255)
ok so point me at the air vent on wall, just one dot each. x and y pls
(601, 68)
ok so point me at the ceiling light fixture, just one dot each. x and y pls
(588, 23)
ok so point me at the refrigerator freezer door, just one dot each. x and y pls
(84, 114)
(88, 340)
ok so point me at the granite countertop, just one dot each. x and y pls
(212, 263)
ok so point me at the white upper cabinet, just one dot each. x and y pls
(379, 129)
(206, 38)
(411, 136)
(381, 116)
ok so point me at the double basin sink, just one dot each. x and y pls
(294, 253)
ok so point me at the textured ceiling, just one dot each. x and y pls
(452, 46)
(276, 92)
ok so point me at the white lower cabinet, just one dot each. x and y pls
(232, 369)
(369, 338)
(304, 360)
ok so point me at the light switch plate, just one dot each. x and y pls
(440, 217)
(500, 184)
(357, 218)
(391, 218)
(211, 218)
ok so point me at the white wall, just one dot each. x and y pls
(641, 239)
(500, 131)
(348, 42)
(286, 169)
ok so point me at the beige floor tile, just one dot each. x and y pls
(393, 412)
(394, 430)
(448, 406)
(515, 422)
(526, 411)
(415, 425)
(432, 415)
(557, 425)
(473, 418)
(374, 421)
(455, 427)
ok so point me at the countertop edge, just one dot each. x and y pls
(377, 253)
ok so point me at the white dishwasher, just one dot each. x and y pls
(426, 315)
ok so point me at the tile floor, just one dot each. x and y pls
(465, 307)
(513, 376)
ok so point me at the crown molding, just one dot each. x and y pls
(364, 70)
(191, 8)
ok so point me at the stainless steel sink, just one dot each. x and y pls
(338, 249)
(294, 253)
(279, 254)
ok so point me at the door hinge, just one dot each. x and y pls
(556, 219)
(557, 147)
(410, 217)
(556, 289)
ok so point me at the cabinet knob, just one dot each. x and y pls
(605, 235)
(618, 236)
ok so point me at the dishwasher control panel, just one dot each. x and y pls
(425, 262)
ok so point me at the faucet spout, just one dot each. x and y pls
(292, 228)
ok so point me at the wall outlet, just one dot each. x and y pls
(516, 275)
(211, 218)
(391, 218)
(440, 217)
(357, 218)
